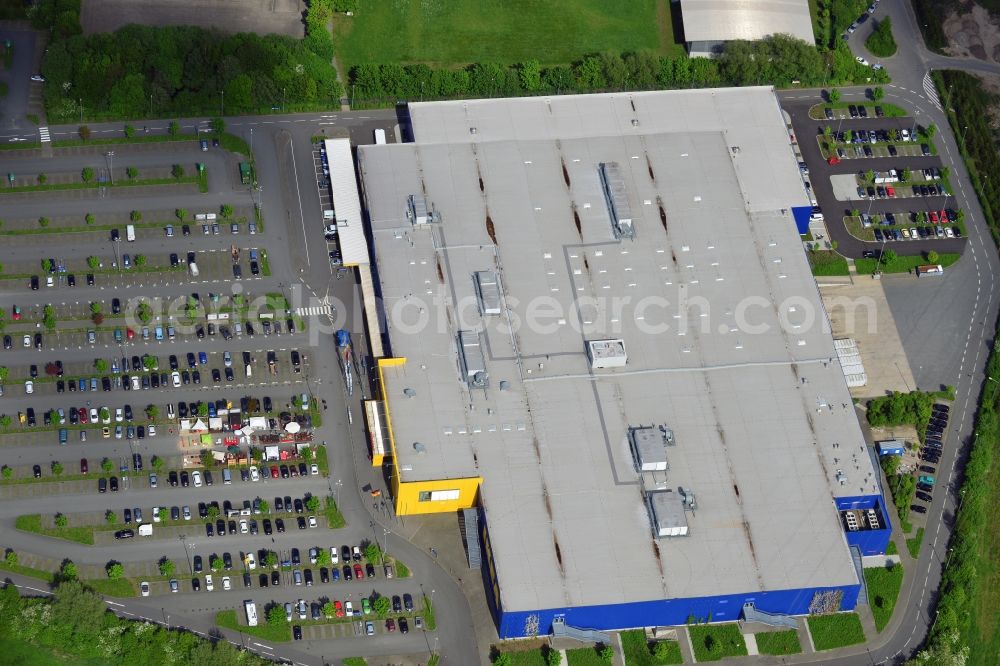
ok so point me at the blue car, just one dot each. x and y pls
(335, 573)
(202, 358)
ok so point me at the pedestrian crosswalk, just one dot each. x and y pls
(314, 310)
(43, 132)
(931, 91)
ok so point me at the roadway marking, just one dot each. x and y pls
(928, 86)
(314, 310)
(43, 133)
(114, 603)
(295, 170)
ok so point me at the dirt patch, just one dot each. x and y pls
(973, 33)
(283, 17)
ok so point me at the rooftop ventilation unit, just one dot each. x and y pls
(688, 497)
(470, 352)
(607, 353)
(649, 448)
(614, 195)
(416, 211)
(666, 513)
(487, 292)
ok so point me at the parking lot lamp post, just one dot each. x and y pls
(187, 554)
(111, 165)
(337, 500)
(80, 102)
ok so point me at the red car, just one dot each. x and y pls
(359, 573)
(82, 413)
(833, 160)
(16, 314)
(338, 609)
(934, 217)
(83, 466)
(889, 192)
(129, 333)
(274, 472)
(390, 625)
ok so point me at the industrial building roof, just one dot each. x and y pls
(725, 20)
(713, 303)
(346, 203)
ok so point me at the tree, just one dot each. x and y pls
(61, 520)
(135, 216)
(216, 563)
(69, 570)
(553, 657)
(144, 313)
(312, 503)
(606, 654)
(166, 567)
(207, 459)
(276, 615)
(7, 471)
(139, 260)
(153, 413)
(328, 609)
(115, 570)
(381, 606)
(87, 174)
(129, 131)
(101, 366)
(10, 557)
(502, 659)
(181, 214)
(49, 317)
(855, 212)
(661, 651)
(905, 175)
(218, 125)
(174, 129)
(271, 559)
(323, 558)
(93, 262)
(932, 257)
(177, 171)
(84, 132)
(57, 468)
(105, 415)
(834, 95)
(42, 178)
(203, 411)
(888, 257)
(107, 465)
(878, 94)
(530, 75)
(43, 222)
(848, 135)
(4, 371)
(110, 517)
(163, 514)
(213, 512)
(265, 506)
(372, 551)
(930, 131)
(226, 210)
(945, 172)
(89, 218)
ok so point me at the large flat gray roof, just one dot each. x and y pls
(765, 429)
(725, 20)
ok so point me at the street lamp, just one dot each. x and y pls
(222, 104)
(111, 164)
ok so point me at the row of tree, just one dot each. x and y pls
(142, 71)
(780, 60)
(77, 625)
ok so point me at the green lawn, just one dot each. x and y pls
(269, 632)
(17, 652)
(836, 630)
(33, 523)
(637, 650)
(121, 587)
(457, 32)
(584, 657)
(355, 661)
(717, 641)
(827, 262)
(779, 642)
(913, 543)
(883, 589)
(526, 658)
(902, 264)
(892, 549)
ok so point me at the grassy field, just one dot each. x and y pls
(584, 657)
(826, 262)
(269, 632)
(121, 587)
(637, 651)
(717, 641)
(779, 642)
(836, 630)
(456, 32)
(33, 523)
(902, 264)
(17, 652)
(883, 589)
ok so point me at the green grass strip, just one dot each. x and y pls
(276, 633)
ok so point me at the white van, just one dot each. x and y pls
(249, 371)
(193, 268)
(227, 477)
(130, 233)
(379, 136)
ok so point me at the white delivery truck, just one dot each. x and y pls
(193, 267)
(130, 233)
(146, 529)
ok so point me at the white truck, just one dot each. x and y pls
(146, 529)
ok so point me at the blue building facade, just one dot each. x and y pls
(658, 612)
